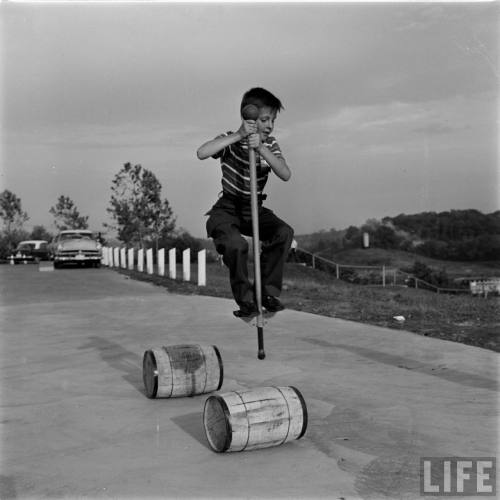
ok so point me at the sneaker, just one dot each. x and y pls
(272, 304)
(247, 310)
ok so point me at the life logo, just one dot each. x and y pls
(458, 476)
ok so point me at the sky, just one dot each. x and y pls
(389, 108)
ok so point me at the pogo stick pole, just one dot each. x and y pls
(251, 112)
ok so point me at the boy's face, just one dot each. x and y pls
(265, 122)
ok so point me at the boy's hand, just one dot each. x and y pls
(247, 127)
(254, 141)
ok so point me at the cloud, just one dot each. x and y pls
(374, 119)
(422, 18)
(433, 128)
(107, 136)
(435, 116)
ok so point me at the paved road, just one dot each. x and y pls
(75, 421)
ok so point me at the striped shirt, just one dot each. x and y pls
(236, 168)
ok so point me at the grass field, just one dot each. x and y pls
(403, 260)
(459, 318)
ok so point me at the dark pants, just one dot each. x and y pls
(227, 223)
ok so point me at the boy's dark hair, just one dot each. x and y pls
(261, 97)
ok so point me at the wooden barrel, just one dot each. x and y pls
(182, 370)
(257, 418)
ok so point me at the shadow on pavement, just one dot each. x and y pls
(192, 424)
(129, 363)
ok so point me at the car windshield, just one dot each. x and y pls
(75, 236)
(26, 246)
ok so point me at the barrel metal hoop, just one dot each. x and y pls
(171, 372)
(304, 411)
(221, 367)
(248, 421)
(289, 415)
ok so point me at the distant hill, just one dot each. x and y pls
(448, 226)
(460, 235)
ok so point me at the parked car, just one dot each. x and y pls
(76, 246)
(31, 251)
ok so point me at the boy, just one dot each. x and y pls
(231, 215)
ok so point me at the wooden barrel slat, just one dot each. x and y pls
(182, 370)
(165, 385)
(257, 418)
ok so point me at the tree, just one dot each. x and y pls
(136, 205)
(385, 237)
(353, 237)
(13, 218)
(40, 233)
(67, 216)
(11, 211)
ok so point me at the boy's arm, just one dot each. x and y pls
(277, 164)
(212, 147)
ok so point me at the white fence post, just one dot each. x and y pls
(110, 257)
(161, 261)
(116, 256)
(131, 259)
(202, 268)
(149, 260)
(123, 259)
(140, 260)
(186, 264)
(172, 264)
(104, 259)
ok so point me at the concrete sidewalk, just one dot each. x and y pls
(76, 423)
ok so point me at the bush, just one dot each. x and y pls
(181, 242)
(438, 278)
(349, 275)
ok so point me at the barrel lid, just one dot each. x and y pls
(150, 374)
(224, 443)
